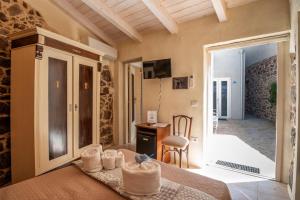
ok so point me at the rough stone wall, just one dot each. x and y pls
(15, 15)
(293, 114)
(259, 78)
(106, 105)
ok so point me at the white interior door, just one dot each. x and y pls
(54, 109)
(222, 97)
(134, 101)
(132, 106)
(85, 104)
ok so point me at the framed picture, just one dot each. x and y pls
(181, 83)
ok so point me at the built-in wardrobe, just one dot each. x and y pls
(54, 101)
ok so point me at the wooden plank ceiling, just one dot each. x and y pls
(130, 19)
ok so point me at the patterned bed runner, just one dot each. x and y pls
(169, 190)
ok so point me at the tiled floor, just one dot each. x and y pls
(245, 187)
(249, 142)
(258, 133)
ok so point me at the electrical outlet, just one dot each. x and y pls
(194, 103)
(194, 139)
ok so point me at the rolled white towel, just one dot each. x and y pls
(108, 161)
(111, 152)
(97, 146)
(141, 179)
(120, 159)
(91, 159)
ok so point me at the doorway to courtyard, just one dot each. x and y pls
(244, 96)
(133, 99)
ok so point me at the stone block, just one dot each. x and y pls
(106, 131)
(4, 62)
(4, 125)
(104, 90)
(5, 177)
(4, 108)
(8, 143)
(5, 97)
(5, 160)
(107, 115)
(105, 75)
(3, 17)
(107, 140)
(1, 146)
(14, 10)
(3, 43)
(1, 72)
(6, 81)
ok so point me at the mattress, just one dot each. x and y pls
(70, 183)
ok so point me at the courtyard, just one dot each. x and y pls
(250, 142)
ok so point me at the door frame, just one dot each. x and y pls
(219, 92)
(123, 105)
(131, 102)
(277, 37)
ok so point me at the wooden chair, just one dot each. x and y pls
(180, 140)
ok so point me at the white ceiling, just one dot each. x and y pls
(120, 20)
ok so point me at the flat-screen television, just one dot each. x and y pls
(157, 69)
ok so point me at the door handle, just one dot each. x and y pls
(145, 139)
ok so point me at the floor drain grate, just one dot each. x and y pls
(238, 166)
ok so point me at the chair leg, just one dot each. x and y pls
(187, 158)
(162, 153)
(180, 157)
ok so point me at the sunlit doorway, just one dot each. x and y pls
(244, 92)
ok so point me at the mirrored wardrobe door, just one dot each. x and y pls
(85, 107)
(55, 108)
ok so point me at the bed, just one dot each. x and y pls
(71, 183)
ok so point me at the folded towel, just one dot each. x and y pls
(142, 179)
(108, 161)
(91, 159)
(111, 152)
(139, 158)
(99, 146)
(120, 159)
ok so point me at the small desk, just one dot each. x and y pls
(149, 140)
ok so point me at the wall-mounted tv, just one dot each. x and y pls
(157, 69)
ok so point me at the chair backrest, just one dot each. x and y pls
(182, 125)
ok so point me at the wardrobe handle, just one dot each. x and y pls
(76, 106)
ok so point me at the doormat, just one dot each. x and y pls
(238, 166)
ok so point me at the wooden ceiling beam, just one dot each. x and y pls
(84, 21)
(220, 8)
(102, 9)
(162, 15)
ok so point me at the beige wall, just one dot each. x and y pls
(186, 51)
(59, 21)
